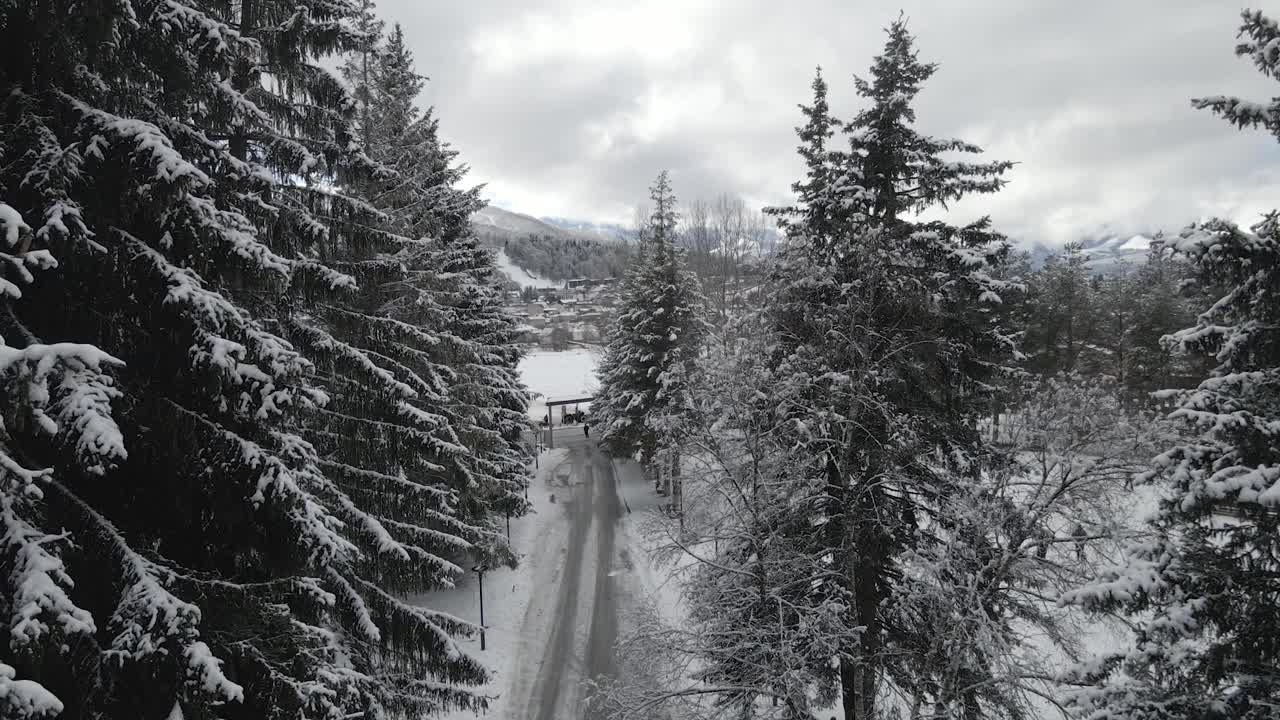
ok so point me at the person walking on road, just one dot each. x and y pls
(586, 429)
(1080, 535)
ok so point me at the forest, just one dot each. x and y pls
(262, 398)
(259, 387)
(567, 258)
(912, 476)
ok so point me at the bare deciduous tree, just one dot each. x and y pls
(724, 238)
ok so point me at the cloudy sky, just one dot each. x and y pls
(570, 107)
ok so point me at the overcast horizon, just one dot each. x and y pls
(569, 109)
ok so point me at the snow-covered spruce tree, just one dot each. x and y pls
(1202, 593)
(1166, 304)
(102, 165)
(360, 69)
(659, 330)
(439, 280)
(183, 163)
(1065, 313)
(486, 394)
(56, 399)
(887, 354)
(1118, 314)
(425, 425)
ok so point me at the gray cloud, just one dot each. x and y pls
(570, 108)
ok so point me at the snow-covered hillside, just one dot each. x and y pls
(519, 275)
(495, 223)
(1132, 248)
(495, 219)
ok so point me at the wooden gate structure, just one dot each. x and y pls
(560, 403)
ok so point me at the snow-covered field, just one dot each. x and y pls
(558, 375)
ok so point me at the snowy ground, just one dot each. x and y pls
(509, 640)
(558, 375)
(551, 623)
(548, 622)
(656, 584)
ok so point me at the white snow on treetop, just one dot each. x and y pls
(21, 699)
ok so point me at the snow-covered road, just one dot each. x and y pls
(553, 621)
(582, 602)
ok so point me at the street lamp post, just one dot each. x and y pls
(479, 571)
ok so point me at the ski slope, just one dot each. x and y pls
(519, 275)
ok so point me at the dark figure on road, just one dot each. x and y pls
(1045, 537)
(1080, 535)
(586, 430)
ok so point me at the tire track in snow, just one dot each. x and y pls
(604, 620)
(554, 675)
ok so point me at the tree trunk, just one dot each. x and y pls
(863, 561)
(857, 677)
(860, 695)
(677, 484)
(238, 143)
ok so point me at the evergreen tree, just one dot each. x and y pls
(1117, 316)
(883, 332)
(817, 209)
(1198, 650)
(127, 142)
(1017, 320)
(643, 376)
(424, 200)
(425, 426)
(396, 85)
(57, 397)
(1109, 323)
(360, 70)
(1163, 304)
(194, 170)
(1064, 309)
(1201, 592)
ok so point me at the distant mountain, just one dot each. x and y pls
(535, 253)
(602, 231)
(495, 223)
(1104, 252)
